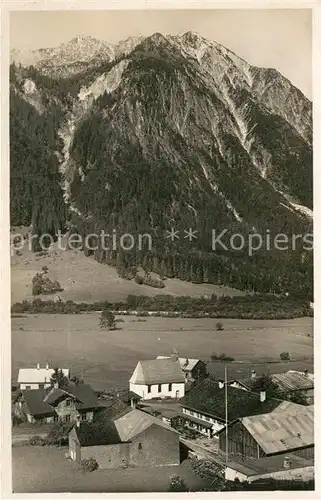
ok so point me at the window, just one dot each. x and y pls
(140, 446)
(41, 386)
(149, 388)
(68, 402)
(28, 386)
(169, 387)
(84, 416)
(56, 418)
(67, 418)
(159, 387)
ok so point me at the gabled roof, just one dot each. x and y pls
(157, 371)
(95, 434)
(85, 396)
(37, 376)
(308, 375)
(187, 364)
(34, 401)
(289, 381)
(42, 401)
(134, 422)
(55, 395)
(282, 430)
(208, 398)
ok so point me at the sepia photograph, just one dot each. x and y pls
(161, 248)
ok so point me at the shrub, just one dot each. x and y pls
(211, 472)
(284, 356)
(59, 434)
(177, 484)
(42, 284)
(138, 279)
(37, 441)
(107, 320)
(219, 327)
(16, 420)
(155, 283)
(89, 464)
(221, 357)
(45, 269)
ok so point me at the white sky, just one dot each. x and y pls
(278, 38)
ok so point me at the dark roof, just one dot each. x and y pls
(208, 398)
(54, 395)
(33, 399)
(85, 395)
(41, 401)
(289, 381)
(126, 396)
(95, 434)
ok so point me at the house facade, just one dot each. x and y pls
(57, 405)
(203, 407)
(201, 421)
(37, 378)
(134, 439)
(158, 378)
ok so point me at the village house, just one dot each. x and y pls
(158, 378)
(54, 404)
(203, 407)
(134, 438)
(37, 378)
(278, 467)
(286, 429)
(193, 369)
(290, 381)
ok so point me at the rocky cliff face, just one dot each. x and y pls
(179, 131)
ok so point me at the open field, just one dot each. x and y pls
(107, 358)
(86, 280)
(45, 470)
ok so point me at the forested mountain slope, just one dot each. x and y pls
(167, 132)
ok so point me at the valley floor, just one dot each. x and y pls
(107, 358)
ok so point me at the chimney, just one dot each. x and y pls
(38, 366)
(221, 384)
(47, 366)
(306, 373)
(287, 463)
(253, 374)
(56, 385)
(262, 396)
(78, 421)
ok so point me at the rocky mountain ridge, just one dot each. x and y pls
(234, 143)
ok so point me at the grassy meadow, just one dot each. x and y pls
(107, 358)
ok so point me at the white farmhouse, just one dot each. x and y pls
(37, 378)
(158, 378)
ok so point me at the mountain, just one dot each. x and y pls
(68, 58)
(178, 131)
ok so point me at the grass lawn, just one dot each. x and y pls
(107, 358)
(45, 470)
